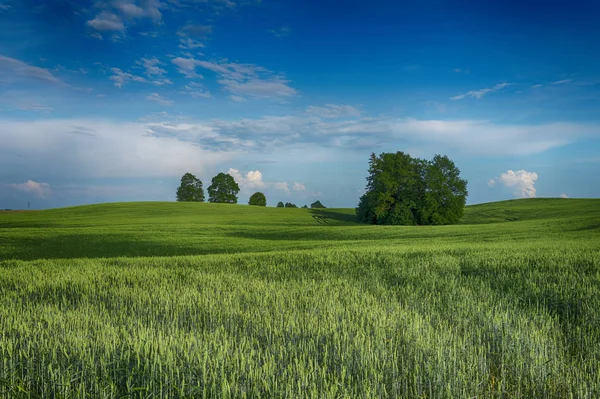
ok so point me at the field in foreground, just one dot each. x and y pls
(198, 300)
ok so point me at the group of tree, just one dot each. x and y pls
(316, 204)
(402, 190)
(223, 189)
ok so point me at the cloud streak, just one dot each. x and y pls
(480, 93)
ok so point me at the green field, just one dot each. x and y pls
(174, 300)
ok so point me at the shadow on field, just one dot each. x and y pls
(324, 216)
(102, 246)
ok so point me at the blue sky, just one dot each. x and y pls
(114, 100)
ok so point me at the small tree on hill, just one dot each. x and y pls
(258, 199)
(223, 189)
(304, 207)
(190, 189)
(290, 205)
(317, 205)
(280, 204)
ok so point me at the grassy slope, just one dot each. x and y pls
(168, 229)
(493, 308)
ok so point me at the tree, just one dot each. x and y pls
(280, 204)
(190, 189)
(290, 205)
(409, 191)
(304, 206)
(318, 205)
(223, 189)
(258, 199)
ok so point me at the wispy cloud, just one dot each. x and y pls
(299, 186)
(192, 36)
(157, 98)
(281, 32)
(241, 80)
(114, 14)
(331, 111)
(480, 93)
(106, 21)
(17, 69)
(195, 90)
(40, 190)
(33, 106)
(562, 82)
(120, 78)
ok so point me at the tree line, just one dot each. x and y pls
(224, 189)
(401, 190)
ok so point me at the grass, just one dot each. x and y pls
(203, 300)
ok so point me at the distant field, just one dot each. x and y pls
(206, 300)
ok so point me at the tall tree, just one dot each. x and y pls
(317, 204)
(223, 189)
(258, 199)
(280, 205)
(290, 205)
(408, 191)
(190, 189)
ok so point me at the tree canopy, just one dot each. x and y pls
(223, 189)
(412, 191)
(258, 199)
(290, 205)
(318, 205)
(280, 205)
(190, 189)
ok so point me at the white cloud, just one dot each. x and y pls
(187, 67)
(237, 99)
(114, 13)
(13, 68)
(143, 9)
(151, 65)
(239, 79)
(99, 149)
(563, 195)
(536, 86)
(562, 82)
(157, 98)
(41, 190)
(333, 111)
(106, 21)
(5, 7)
(480, 93)
(33, 106)
(190, 44)
(195, 90)
(120, 78)
(96, 35)
(283, 186)
(521, 183)
(253, 180)
(299, 187)
(469, 137)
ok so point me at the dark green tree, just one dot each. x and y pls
(258, 199)
(290, 205)
(317, 205)
(304, 206)
(190, 189)
(409, 191)
(280, 205)
(223, 189)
